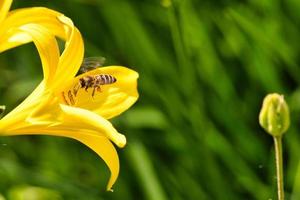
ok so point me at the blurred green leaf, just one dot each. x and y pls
(141, 162)
(1, 197)
(32, 193)
(146, 117)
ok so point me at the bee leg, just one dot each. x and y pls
(71, 97)
(86, 88)
(93, 93)
(75, 89)
(99, 89)
(64, 97)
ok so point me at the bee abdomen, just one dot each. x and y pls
(105, 79)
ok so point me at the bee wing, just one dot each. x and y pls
(91, 63)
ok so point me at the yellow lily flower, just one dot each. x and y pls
(60, 106)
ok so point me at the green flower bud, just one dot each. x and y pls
(274, 116)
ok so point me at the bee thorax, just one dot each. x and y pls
(86, 81)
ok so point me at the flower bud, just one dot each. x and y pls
(274, 116)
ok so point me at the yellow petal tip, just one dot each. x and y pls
(120, 141)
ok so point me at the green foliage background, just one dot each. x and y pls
(204, 68)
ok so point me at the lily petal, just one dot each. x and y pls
(72, 56)
(50, 115)
(96, 141)
(88, 128)
(49, 54)
(58, 25)
(104, 148)
(51, 118)
(10, 35)
(27, 105)
(4, 8)
(47, 47)
(81, 118)
(20, 17)
(12, 39)
(36, 15)
(113, 99)
(55, 22)
(99, 144)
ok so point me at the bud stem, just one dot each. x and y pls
(279, 166)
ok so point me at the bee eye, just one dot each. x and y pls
(82, 82)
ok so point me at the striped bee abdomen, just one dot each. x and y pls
(105, 79)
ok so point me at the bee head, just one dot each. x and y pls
(82, 82)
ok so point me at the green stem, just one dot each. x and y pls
(279, 166)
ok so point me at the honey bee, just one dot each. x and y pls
(95, 82)
(90, 81)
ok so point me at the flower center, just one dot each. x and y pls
(86, 87)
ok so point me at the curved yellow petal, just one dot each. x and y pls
(28, 103)
(78, 118)
(36, 15)
(50, 118)
(112, 100)
(72, 56)
(47, 47)
(96, 141)
(10, 37)
(57, 24)
(4, 8)
(99, 144)
(31, 113)
(60, 26)
(104, 148)
(13, 39)
(48, 113)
